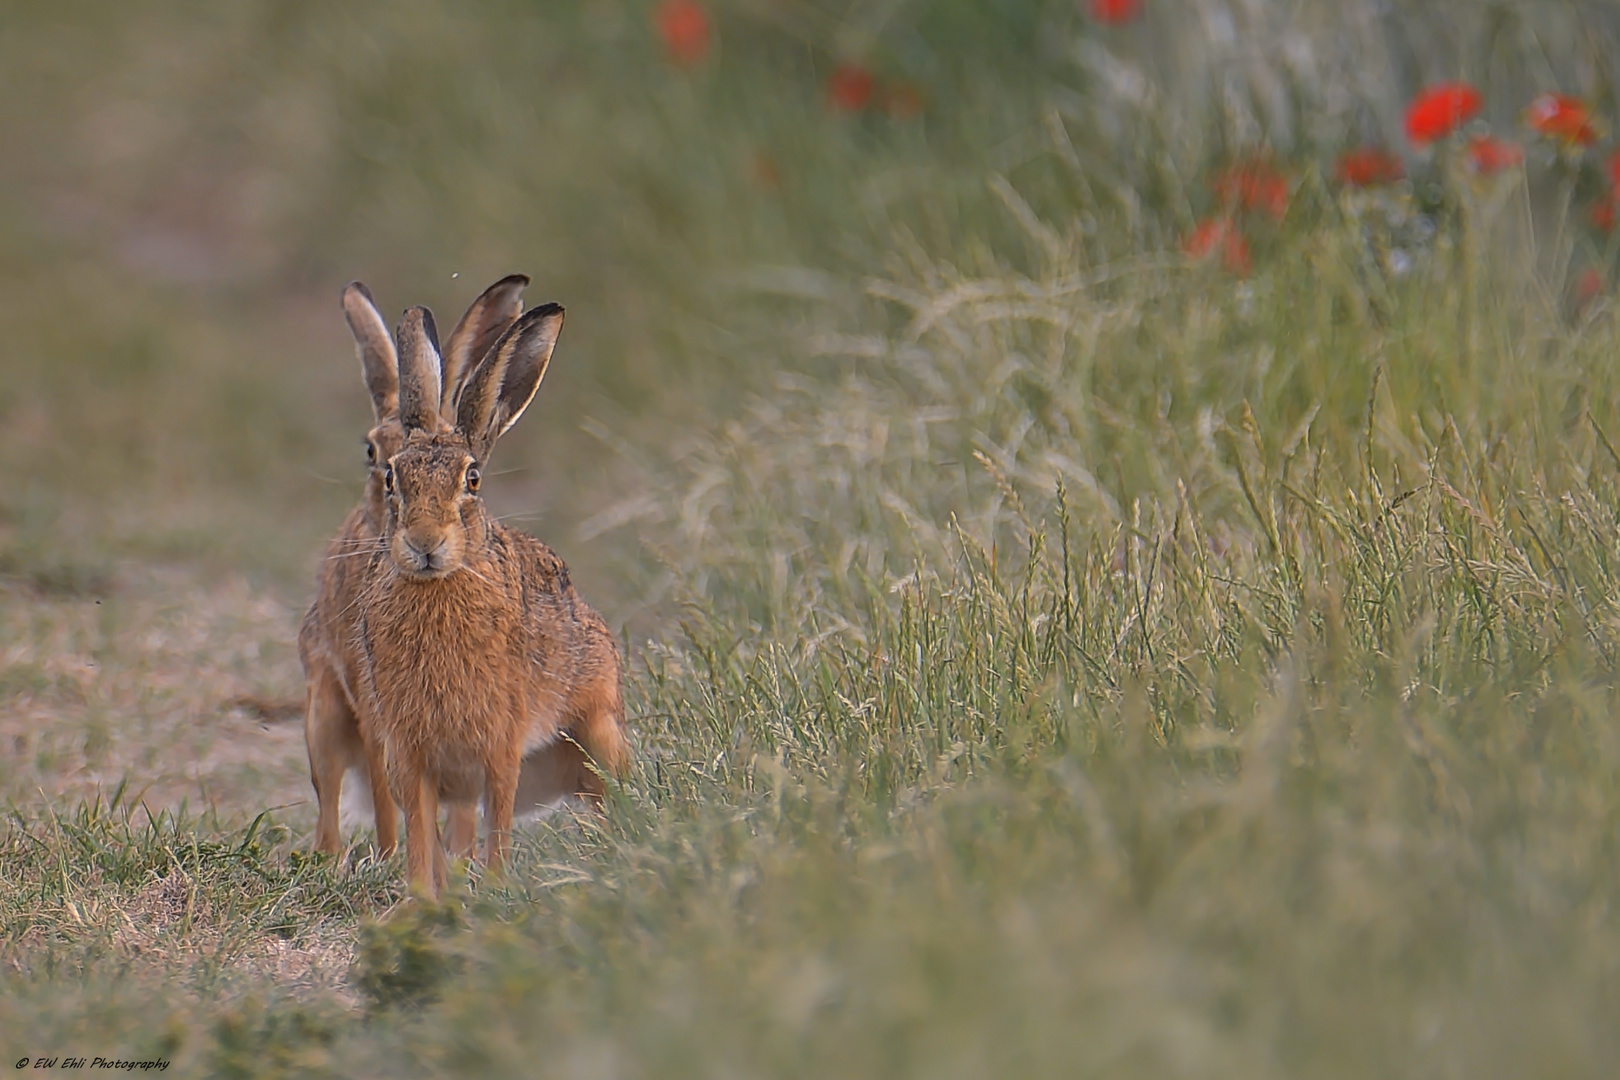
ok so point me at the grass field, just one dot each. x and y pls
(1050, 654)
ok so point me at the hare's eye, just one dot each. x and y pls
(473, 478)
(388, 479)
(371, 452)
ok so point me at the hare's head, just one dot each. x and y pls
(485, 321)
(435, 521)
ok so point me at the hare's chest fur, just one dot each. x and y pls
(448, 670)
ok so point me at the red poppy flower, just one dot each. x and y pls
(1602, 213)
(1440, 109)
(1488, 154)
(850, 87)
(764, 171)
(1561, 117)
(1368, 166)
(902, 101)
(1253, 185)
(684, 28)
(1218, 235)
(1588, 287)
(1115, 12)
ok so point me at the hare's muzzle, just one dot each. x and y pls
(424, 556)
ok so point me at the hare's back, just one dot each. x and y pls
(553, 608)
(537, 565)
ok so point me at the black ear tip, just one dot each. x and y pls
(511, 281)
(422, 318)
(535, 317)
(358, 287)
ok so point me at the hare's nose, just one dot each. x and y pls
(427, 553)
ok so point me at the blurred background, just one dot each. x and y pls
(190, 186)
(739, 202)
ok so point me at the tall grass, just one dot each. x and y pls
(1050, 655)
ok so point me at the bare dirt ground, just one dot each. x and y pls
(186, 689)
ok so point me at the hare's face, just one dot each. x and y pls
(381, 444)
(431, 488)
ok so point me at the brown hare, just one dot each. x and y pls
(475, 648)
(335, 734)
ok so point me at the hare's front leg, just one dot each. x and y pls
(500, 791)
(420, 803)
(328, 729)
(382, 804)
(441, 867)
(461, 830)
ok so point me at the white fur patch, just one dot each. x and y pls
(354, 808)
(534, 801)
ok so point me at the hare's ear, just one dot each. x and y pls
(485, 321)
(418, 370)
(502, 386)
(378, 361)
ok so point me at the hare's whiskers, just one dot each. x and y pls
(359, 542)
(366, 548)
(352, 554)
